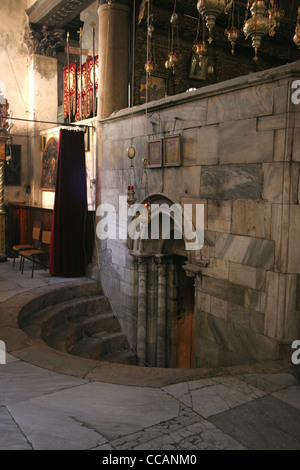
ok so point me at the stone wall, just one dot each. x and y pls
(240, 157)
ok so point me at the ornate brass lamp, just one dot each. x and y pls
(258, 25)
(210, 9)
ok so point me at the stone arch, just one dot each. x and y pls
(163, 265)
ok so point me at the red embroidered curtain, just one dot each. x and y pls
(67, 248)
(72, 91)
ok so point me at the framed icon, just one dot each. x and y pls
(198, 68)
(49, 165)
(172, 153)
(155, 153)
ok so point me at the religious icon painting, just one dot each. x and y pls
(172, 153)
(49, 165)
(155, 153)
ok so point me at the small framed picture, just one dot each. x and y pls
(155, 153)
(198, 68)
(172, 153)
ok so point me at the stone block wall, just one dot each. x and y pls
(240, 157)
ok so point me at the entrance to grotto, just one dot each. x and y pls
(165, 295)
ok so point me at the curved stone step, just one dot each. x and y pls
(65, 336)
(102, 347)
(41, 323)
(53, 295)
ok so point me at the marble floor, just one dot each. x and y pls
(42, 409)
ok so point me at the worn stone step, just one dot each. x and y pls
(128, 358)
(43, 322)
(66, 336)
(52, 295)
(101, 346)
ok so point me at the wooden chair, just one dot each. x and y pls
(36, 234)
(38, 257)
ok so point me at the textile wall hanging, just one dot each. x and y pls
(72, 91)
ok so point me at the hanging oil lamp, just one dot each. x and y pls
(210, 9)
(131, 199)
(173, 47)
(199, 46)
(233, 32)
(258, 25)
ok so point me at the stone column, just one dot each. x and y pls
(142, 312)
(152, 314)
(197, 326)
(161, 316)
(172, 315)
(113, 56)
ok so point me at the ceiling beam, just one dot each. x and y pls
(56, 13)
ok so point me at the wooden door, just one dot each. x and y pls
(185, 328)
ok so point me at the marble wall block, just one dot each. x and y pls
(223, 290)
(219, 216)
(242, 274)
(218, 307)
(230, 182)
(279, 145)
(251, 219)
(273, 182)
(254, 252)
(182, 181)
(293, 241)
(239, 142)
(189, 147)
(239, 315)
(281, 98)
(217, 268)
(207, 145)
(241, 104)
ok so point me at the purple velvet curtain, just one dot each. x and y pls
(67, 249)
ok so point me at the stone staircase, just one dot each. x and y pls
(79, 322)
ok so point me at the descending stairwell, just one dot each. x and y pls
(81, 324)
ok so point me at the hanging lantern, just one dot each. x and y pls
(173, 42)
(200, 49)
(232, 33)
(131, 196)
(149, 67)
(258, 25)
(210, 9)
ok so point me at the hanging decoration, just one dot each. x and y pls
(199, 46)
(91, 91)
(265, 17)
(69, 100)
(173, 42)
(150, 63)
(261, 22)
(81, 92)
(233, 32)
(296, 37)
(210, 9)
